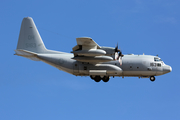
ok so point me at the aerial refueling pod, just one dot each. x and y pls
(91, 52)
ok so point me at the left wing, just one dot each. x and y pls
(87, 50)
(86, 43)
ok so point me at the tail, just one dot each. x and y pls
(29, 42)
(29, 38)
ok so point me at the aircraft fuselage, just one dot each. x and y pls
(133, 65)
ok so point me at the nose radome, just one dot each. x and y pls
(167, 69)
(170, 68)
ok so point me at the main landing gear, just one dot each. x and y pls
(99, 78)
(152, 78)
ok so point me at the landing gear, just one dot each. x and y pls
(152, 78)
(105, 78)
(98, 78)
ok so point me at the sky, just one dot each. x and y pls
(31, 90)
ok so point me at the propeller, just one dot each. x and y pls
(118, 56)
(116, 48)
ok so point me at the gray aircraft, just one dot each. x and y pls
(88, 58)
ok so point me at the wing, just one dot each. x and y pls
(87, 50)
(86, 43)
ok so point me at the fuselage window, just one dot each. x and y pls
(153, 64)
(159, 64)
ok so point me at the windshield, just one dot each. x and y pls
(157, 59)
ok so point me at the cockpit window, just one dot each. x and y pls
(157, 59)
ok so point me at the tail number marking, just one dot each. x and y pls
(30, 37)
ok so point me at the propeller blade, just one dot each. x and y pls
(120, 54)
(116, 56)
(116, 48)
(120, 60)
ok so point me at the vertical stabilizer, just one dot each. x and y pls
(29, 37)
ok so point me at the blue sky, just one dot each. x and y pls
(34, 90)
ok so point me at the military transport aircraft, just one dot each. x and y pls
(88, 58)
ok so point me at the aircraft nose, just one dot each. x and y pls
(167, 69)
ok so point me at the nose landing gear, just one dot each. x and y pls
(152, 78)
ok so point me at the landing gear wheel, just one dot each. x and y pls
(91, 77)
(152, 78)
(97, 78)
(105, 78)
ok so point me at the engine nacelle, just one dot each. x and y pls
(109, 50)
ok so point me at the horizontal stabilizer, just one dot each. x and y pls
(27, 54)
